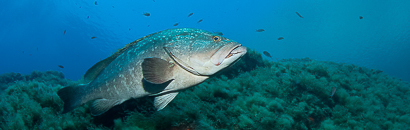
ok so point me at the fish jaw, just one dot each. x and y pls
(225, 52)
(222, 59)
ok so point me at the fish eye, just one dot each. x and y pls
(216, 38)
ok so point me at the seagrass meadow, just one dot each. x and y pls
(253, 94)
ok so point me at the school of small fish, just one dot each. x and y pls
(267, 54)
(299, 15)
(260, 30)
(147, 14)
(199, 21)
(219, 33)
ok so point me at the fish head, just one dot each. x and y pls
(203, 53)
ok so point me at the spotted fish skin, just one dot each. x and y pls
(159, 64)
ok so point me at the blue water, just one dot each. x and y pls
(328, 31)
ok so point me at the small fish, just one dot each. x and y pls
(147, 14)
(176, 24)
(129, 29)
(280, 38)
(190, 14)
(95, 2)
(260, 30)
(60, 66)
(311, 119)
(200, 21)
(88, 17)
(299, 15)
(361, 17)
(219, 33)
(267, 54)
(333, 91)
(23, 51)
(93, 37)
(37, 48)
(162, 72)
(64, 32)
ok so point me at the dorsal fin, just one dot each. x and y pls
(96, 69)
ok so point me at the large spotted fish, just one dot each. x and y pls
(160, 64)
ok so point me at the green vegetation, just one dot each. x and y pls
(31, 102)
(252, 94)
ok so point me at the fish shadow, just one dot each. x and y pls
(142, 105)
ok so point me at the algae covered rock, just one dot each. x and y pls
(31, 102)
(289, 94)
(48, 78)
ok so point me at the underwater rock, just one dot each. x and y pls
(48, 77)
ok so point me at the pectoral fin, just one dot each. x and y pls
(157, 74)
(101, 106)
(162, 101)
(157, 70)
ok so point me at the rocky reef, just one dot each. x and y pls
(252, 94)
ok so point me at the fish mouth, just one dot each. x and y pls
(228, 53)
(238, 49)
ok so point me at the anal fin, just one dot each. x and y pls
(101, 106)
(162, 101)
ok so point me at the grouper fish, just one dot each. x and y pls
(160, 64)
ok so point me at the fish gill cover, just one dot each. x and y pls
(252, 94)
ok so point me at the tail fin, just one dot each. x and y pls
(71, 97)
